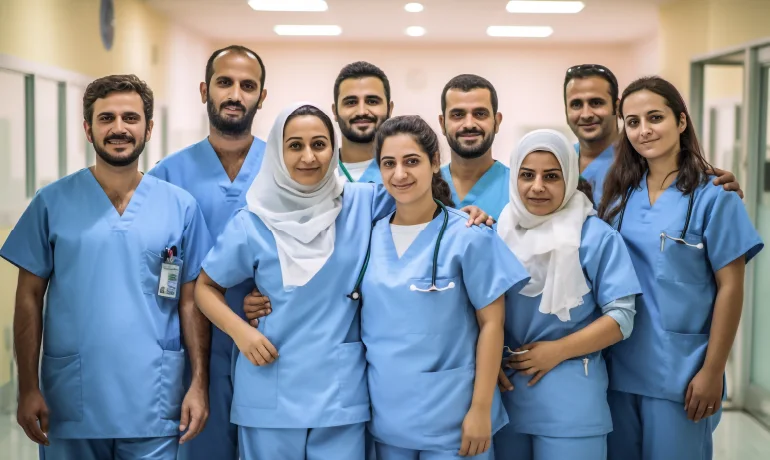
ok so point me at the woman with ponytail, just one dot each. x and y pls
(433, 310)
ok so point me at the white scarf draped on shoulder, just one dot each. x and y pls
(301, 218)
(548, 246)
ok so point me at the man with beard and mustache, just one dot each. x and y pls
(118, 253)
(361, 104)
(218, 171)
(469, 120)
(590, 104)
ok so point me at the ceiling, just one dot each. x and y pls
(445, 21)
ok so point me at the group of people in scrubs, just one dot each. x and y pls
(315, 297)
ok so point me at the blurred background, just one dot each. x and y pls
(717, 52)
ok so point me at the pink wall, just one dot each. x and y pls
(528, 78)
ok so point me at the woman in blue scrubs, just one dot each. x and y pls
(299, 379)
(433, 310)
(690, 242)
(579, 301)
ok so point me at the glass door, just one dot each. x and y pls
(758, 400)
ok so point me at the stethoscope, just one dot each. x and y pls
(663, 235)
(356, 294)
(345, 171)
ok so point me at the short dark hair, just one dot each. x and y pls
(466, 83)
(309, 110)
(238, 49)
(593, 70)
(102, 87)
(426, 138)
(358, 70)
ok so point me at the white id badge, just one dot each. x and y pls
(169, 279)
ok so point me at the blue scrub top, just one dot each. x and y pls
(113, 359)
(490, 193)
(319, 379)
(371, 174)
(566, 402)
(198, 170)
(596, 171)
(421, 346)
(673, 317)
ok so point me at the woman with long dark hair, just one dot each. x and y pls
(690, 242)
(433, 310)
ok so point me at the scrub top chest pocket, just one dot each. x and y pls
(682, 259)
(163, 273)
(429, 310)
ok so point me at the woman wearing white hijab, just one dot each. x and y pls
(580, 300)
(299, 238)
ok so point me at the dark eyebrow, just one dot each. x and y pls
(350, 98)
(295, 138)
(654, 111)
(553, 170)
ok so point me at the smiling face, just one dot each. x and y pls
(651, 126)
(307, 149)
(590, 112)
(407, 172)
(470, 123)
(361, 108)
(119, 130)
(233, 95)
(541, 183)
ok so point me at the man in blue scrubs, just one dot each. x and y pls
(469, 120)
(361, 104)
(590, 103)
(118, 253)
(218, 171)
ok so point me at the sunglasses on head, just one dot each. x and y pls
(595, 69)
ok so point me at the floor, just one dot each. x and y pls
(739, 437)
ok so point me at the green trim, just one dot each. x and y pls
(62, 122)
(29, 134)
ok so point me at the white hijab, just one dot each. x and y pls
(301, 217)
(548, 245)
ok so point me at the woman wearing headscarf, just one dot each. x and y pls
(299, 380)
(580, 300)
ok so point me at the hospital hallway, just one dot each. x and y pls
(739, 437)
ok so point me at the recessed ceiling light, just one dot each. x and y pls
(415, 31)
(288, 5)
(519, 31)
(414, 7)
(307, 30)
(545, 7)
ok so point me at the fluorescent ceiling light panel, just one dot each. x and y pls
(307, 30)
(544, 7)
(288, 5)
(519, 31)
(415, 31)
(414, 7)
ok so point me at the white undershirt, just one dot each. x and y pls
(356, 170)
(404, 236)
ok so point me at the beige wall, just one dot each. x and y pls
(8, 275)
(65, 34)
(692, 27)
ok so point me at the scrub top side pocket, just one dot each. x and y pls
(447, 399)
(255, 386)
(171, 388)
(62, 383)
(351, 374)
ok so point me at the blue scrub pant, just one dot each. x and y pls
(510, 445)
(338, 442)
(219, 438)
(371, 454)
(387, 452)
(656, 429)
(111, 449)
